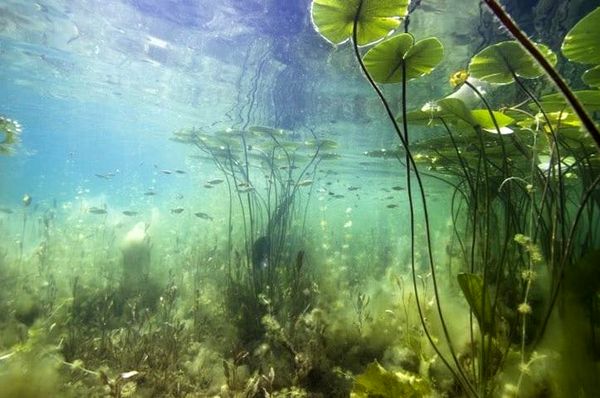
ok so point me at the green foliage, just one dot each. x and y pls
(334, 19)
(478, 298)
(499, 62)
(386, 59)
(378, 382)
(582, 43)
(557, 103)
(591, 77)
(10, 131)
(454, 110)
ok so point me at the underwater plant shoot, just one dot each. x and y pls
(303, 198)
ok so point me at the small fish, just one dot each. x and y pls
(398, 188)
(149, 193)
(130, 213)
(203, 216)
(338, 196)
(26, 200)
(178, 171)
(179, 196)
(391, 206)
(208, 186)
(177, 210)
(353, 188)
(104, 177)
(215, 181)
(246, 190)
(243, 184)
(305, 183)
(97, 210)
(167, 172)
(389, 197)
(5, 210)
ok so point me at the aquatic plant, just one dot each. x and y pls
(10, 131)
(492, 159)
(266, 174)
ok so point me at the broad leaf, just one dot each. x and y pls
(485, 121)
(376, 381)
(590, 99)
(478, 299)
(582, 43)
(457, 108)
(334, 19)
(591, 77)
(497, 63)
(384, 61)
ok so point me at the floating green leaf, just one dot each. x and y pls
(590, 99)
(378, 382)
(485, 121)
(497, 63)
(591, 77)
(384, 61)
(334, 19)
(478, 299)
(582, 43)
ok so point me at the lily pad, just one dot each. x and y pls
(485, 121)
(384, 61)
(591, 77)
(590, 99)
(497, 63)
(334, 19)
(581, 44)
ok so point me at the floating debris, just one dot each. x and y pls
(130, 213)
(97, 210)
(246, 190)
(6, 210)
(179, 196)
(203, 216)
(26, 200)
(177, 210)
(215, 181)
(348, 224)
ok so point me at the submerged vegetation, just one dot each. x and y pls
(259, 295)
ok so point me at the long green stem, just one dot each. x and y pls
(410, 160)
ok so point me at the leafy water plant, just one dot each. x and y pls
(522, 169)
(10, 130)
(269, 178)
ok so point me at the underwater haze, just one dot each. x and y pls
(299, 198)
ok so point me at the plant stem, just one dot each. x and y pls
(552, 73)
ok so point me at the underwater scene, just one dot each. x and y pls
(300, 198)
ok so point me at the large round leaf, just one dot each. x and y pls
(582, 43)
(334, 19)
(591, 77)
(498, 62)
(384, 61)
